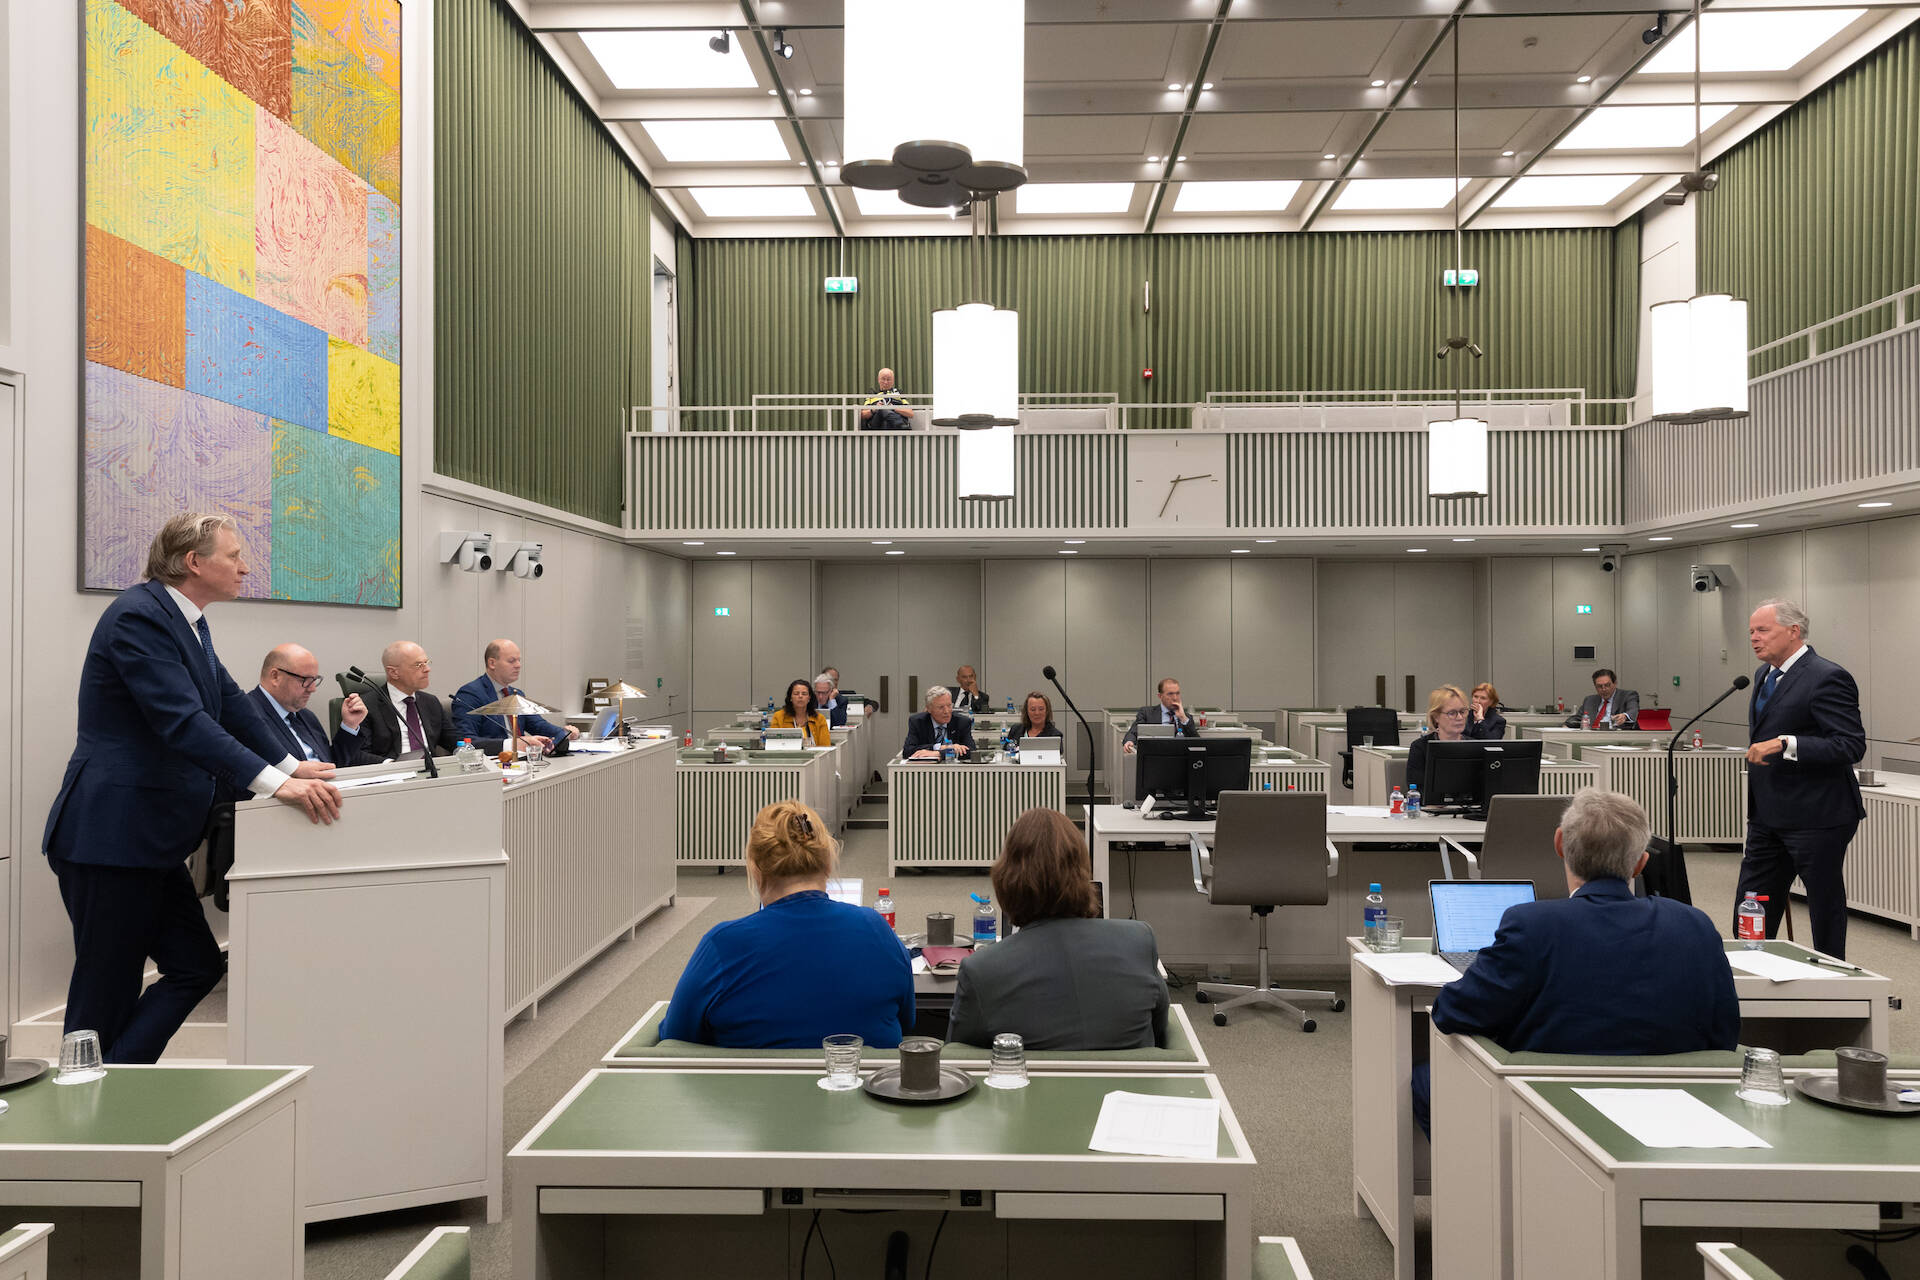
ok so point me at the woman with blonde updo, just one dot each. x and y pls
(802, 967)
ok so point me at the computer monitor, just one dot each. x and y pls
(1463, 776)
(1188, 774)
(1466, 913)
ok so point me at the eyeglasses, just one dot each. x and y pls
(1455, 711)
(306, 682)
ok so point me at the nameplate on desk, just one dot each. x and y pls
(1039, 757)
(786, 744)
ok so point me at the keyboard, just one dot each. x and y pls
(1461, 960)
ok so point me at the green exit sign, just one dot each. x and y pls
(1465, 277)
(843, 284)
(1583, 608)
(721, 611)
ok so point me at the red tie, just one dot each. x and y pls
(1600, 721)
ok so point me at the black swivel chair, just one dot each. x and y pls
(1382, 724)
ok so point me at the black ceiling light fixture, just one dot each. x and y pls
(1701, 178)
(781, 48)
(721, 43)
(1657, 32)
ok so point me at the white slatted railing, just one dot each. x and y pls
(1883, 862)
(714, 806)
(959, 815)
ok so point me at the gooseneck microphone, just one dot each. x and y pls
(1053, 678)
(1671, 880)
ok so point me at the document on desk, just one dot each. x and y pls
(1669, 1118)
(1765, 964)
(1356, 811)
(1141, 1124)
(1409, 968)
(595, 749)
(380, 780)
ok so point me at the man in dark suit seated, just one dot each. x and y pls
(1601, 972)
(1803, 801)
(160, 724)
(1168, 710)
(288, 677)
(409, 718)
(938, 724)
(1608, 706)
(503, 668)
(828, 702)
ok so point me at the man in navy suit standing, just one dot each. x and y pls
(288, 677)
(160, 724)
(1600, 972)
(1803, 802)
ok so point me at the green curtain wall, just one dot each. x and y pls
(1317, 312)
(1819, 212)
(543, 272)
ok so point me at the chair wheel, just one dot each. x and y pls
(1219, 1019)
(1339, 1006)
(1308, 1026)
(1201, 997)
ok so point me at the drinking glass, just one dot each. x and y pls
(1761, 1080)
(1391, 930)
(80, 1058)
(1009, 1067)
(843, 1063)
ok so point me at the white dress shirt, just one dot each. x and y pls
(400, 709)
(1792, 751)
(274, 776)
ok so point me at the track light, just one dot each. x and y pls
(722, 42)
(1458, 344)
(1657, 32)
(780, 46)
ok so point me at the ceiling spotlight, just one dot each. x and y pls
(1153, 159)
(1747, 525)
(1330, 156)
(1506, 155)
(1657, 32)
(781, 49)
(896, 553)
(1700, 180)
(1873, 504)
(1183, 159)
(1240, 551)
(1173, 88)
(1583, 79)
(1660, 538)
(1206, 86)
(805, 93)
(1379, 84)
(721, 43)
(1458, 344)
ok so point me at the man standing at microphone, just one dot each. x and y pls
(1803, 802)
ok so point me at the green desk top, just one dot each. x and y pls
(130, 1107)
(8, 1236)
(448, 1258)
(703, 1112)
(1270, 1262)
(1749, 1265)
(1802, 1133)
(1774, 946)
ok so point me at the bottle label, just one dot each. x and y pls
(1753, 926)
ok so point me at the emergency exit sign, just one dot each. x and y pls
(722, 611)
(1465, 277)
(1583, 608)
(843, 284)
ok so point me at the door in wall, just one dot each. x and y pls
(1394, 620)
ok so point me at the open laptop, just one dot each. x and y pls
(1466, 914)
(605, 725)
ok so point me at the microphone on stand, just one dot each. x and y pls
(1671, 880)
(1053, 678)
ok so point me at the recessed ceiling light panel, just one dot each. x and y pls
(1235, 197)
(1751, 41)
(1367, 194)
(888, 204)
(699, 141)
(1074, 197)
(752, 202)
(1566, 192)
(667, 60)
(1641, 128)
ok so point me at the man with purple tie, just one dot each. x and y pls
(1803, 802)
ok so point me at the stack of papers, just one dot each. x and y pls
(1776, 968)
(1409, 968)
(1669, 1118)
(382, 780)
(1143, 1124)
(595, 748)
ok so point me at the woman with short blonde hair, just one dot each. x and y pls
(1446, 722)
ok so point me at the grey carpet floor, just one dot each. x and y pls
(1292, 1092)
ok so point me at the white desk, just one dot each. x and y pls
(958, 815)
(1711, 807)
(715, 804)
(23, 1251)
(1378, 770)
(1883, 862)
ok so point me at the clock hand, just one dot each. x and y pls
(1172, 485)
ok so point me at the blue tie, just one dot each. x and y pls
(206, 644)
(1766, 691)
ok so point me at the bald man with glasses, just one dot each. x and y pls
(288, 677)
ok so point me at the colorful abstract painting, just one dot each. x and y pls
(243, 287)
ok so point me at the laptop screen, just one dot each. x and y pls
(1466, 913)
(605, 724)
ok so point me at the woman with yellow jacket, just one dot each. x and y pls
(799, 713)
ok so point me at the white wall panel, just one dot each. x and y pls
(1578, 581)
(783, 602)
(1838, 596)
(1190, 631)
(1273, 656)
(1894, 693)
(1521, 608)
(1025, 618)
(1354, 629)
(723, 644)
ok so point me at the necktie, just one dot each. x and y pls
(206, 643)
(417, 737)
(1771, 679)
(1600, 721)
(293, 727)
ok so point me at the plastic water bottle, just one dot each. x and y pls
(1751, 921)
(1396, 804)
(1266, 786)
(883, 903)
(1586, 722)
(689, 741)
(1412, 808)
(986, 921)
(1696, 740)
(1009, 705)
(468, 757)
(1560, 705)
(1376, 911)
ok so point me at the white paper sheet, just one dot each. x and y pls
(382, 780)
(1357, 811)
(595, 748)
(1669, 1118)
(919, 964)
(1778, 968)
(1141, 1124)
(1409, 968)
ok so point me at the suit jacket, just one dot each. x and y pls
(1065, 984)
(157, 729)
(1150, 714)
(478, 692)
(386, 739)
(1601, 972)
(1491, 729)
(1047, 730)
(1818, 704)
(974, 705)
(922, 732)
(1625, 701)
(345, 749)
(836, 714)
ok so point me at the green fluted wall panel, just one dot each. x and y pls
(542, 272)
(1816, 214)
(1322, 312)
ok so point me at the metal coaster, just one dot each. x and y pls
(885, 1083)
(21, 1071)
(1827, 1089)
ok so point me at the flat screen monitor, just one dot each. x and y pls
(1188, 774)
(1466, 913)
(1463, 776)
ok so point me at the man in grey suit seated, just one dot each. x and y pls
(1168, 710)
(1608, 706)
(1068, 979)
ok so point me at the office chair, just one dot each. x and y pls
(1382, 724)
(369, 688)
(1270, 849)
(1518, 844)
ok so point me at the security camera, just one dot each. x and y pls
(471, 551)
(721, 43)
(1657, 32)
(1611, 557)
(1712, 577)
(525, 562)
